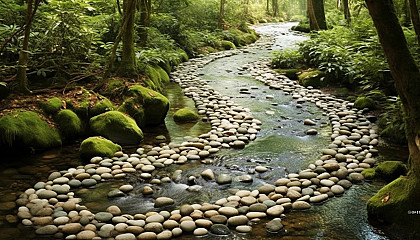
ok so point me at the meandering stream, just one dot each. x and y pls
(281, 145)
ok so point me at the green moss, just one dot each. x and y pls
(364, 102)
(250, 38)
(69, 124)
(302, 28)
(51, 106)
(155, 105)
(313, 78)
(98, 146)
(154, 77)
(113, 88)
(185, 115)
(135, 111)
(391, 170)
(166, 65)
(290, 73)
(210, 49)
(102, 105)
(117, 127)
(164, 77)
(369, 173)
(394, 201)
(395, 133)
(227, 45)
(27, 129)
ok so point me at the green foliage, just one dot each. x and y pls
(185, 115)
(27, 129)
(98, 146)
(369, 173)
(135, 110)
(102, 105)
(392, 122)
(4, 90)
(227, 45)
(289, 58)
(302, 27)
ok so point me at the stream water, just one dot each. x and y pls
(282, 145)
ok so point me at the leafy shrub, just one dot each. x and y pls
(289, 58)
(392, 122)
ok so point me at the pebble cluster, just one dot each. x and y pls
(52, 208)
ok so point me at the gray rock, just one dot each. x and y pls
(237, 220)
(274, 225)
(163, 201)
(47, 230)
(219, 229)
(337, 189)
(115, 193)
(224, 178)
(208, 174)
(188, 226)
(319, 198)
(311, 131)
(309, 122)
(356, 177)
(103, 216)
(301, 205)
(89, 182)
(125, 236)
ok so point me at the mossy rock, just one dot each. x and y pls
(185, 116)
(290, 73)
(302, 28)
(113, 88)
(227, 45)
(51, 106)
(28, 130)
(116, 126)
(394, 133)
(313, 78)
(102, 105)
(364, 102)
(69, 124)
(369, 173)
(164, 77)
(250, 38)
(135, 110)
(343, 91)
(377, 95)
(390, 170)
(155, 105)
(98, 147)
(154, 78)
(394, 202)
(166, 65)
(4, 90)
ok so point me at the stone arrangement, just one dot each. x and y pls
(53, 209)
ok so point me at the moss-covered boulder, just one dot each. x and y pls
(364, 102)
(163, 75)
(98, 146)
(390, 170)
(135, 110)
(155, 105)
(69, 124)
(185, 116)
(290, 73)
(395, 202)
(313, 78)
(102, 105)
(227, 45)
(27, 130)
(116, 126)
(369, 173)
(302, 28)
(51, 106)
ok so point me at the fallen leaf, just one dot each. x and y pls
(386, 198)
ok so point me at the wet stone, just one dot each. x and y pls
(219, 229)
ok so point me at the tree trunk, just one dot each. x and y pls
(403, 193)
(268, 6)
(221, 14)
(275, 7)
(128, 58)
(318, 6)
(406, 11)
(145, 8)
(346, 10)
(415, 18)
(23, 54)
(312, 18)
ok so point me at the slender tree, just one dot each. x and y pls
(394, 202)
(313, 22)
(275, 6)
(23, 55)
(127, 66)
(346, 10)
(415, 18)
(221, 14)
(318, 6)
(146, 10)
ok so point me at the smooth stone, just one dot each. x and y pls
(218, 219)
(337, 189)
(237, 220)
(200, 232)
(46, 194)
(307, 175)
(248, 200)
(274, 225)
(126, 188)
(47, 230)
(163, 201)
(147, 236)
(153, 227)
(71, 228)
(258, 207)
(319, 198)
(275, 211)
(301, 205)
(312, 132)
(208, 174)
(261, 169)
(115, 193)
(228, 211)
(125, 236)
(155, 218)
(356, 177)
(266, 189)
(186, 210)
(188, 226)
(86, 235)
(309, 122)
(103, 216)
(224, 178)
(326, 182)
(219, 229)
(243, 229)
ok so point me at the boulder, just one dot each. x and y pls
(390, 170)
(69, 124)
(155, 105)
(313, 78)
(116, 126)
(98, 146)
(364, 102)
(185, 116)
(51, 106)
(27, 130)
(135, 110)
